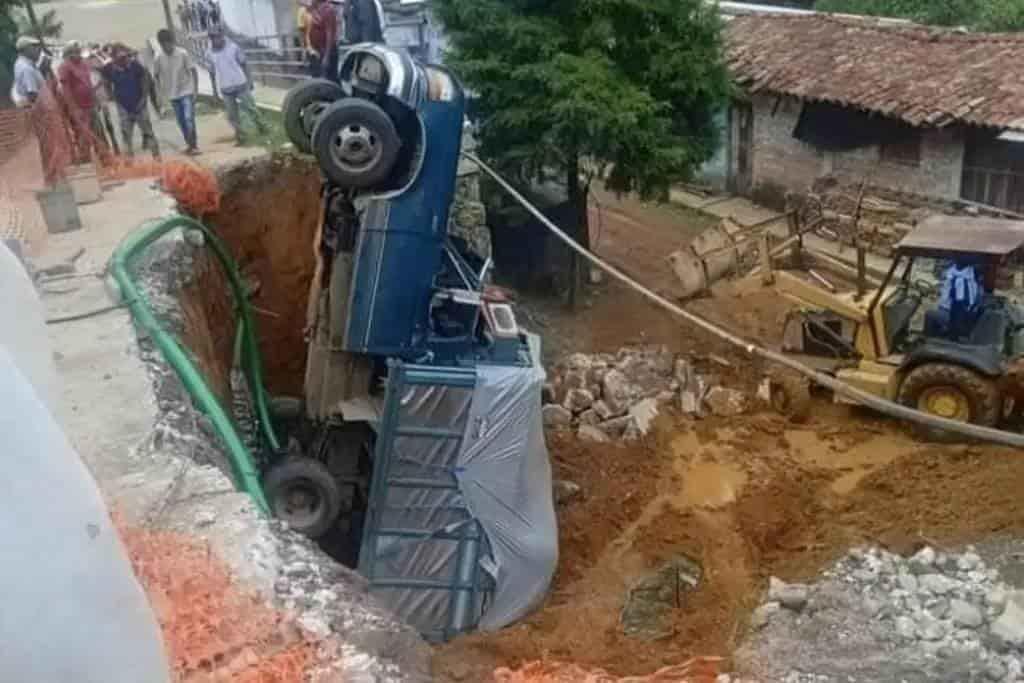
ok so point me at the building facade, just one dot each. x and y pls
(895, 105)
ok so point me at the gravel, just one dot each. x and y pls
(877, 616)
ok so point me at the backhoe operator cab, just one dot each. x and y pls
(911, 339)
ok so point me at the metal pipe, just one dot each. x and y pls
(843, 389)
(247, 475)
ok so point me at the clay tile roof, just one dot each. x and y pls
(924, 76)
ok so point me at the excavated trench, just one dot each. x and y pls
(268, 218)
(746, 497)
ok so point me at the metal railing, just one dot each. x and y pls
(275, 60)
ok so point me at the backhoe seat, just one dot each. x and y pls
(990, 329)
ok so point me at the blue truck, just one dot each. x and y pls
(422, 459)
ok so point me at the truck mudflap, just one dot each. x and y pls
(460, 532)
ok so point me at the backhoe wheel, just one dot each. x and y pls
(356, 144)
(302, 108)
(953, 392)
(790, 395)
(302, 492)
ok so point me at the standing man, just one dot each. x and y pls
(230, 74)
(28, 79)
(364, 21)
(32, 91)
(178, 81)
(301, 24)
(322, 39)
(76, 85)
(132, 88)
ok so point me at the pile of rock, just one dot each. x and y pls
(609, 396)
(934, 611)
(878, 217)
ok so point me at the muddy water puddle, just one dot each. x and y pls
(713, 472)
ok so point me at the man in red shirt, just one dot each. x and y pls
(75, 76)
(322, 39)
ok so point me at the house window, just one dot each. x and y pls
(904, 149)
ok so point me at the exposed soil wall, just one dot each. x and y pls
(268, 218)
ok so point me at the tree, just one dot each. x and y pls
(8, 36)
(48, 26)
(622, 89)
(982, 15)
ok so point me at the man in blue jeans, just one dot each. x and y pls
(178, 81)
(230, 73)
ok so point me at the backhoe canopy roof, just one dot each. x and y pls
(948, 236)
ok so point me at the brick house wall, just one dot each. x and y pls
(14, 131)
(780, 162)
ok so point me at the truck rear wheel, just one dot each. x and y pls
(303, 493)
(302, 108)
(953, 392)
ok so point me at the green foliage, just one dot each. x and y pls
(982, 15)
(628, 86)
(8, 36)
(50, 27)
(1002, 15)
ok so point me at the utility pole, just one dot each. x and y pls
(167, 15)
(33, 21)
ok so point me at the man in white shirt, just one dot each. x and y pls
(28, 79)
(230, 74)
(178, 81)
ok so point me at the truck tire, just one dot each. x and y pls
(950, 391)
(302, 492)
(303, 105)
(356, 144)
(790, 395)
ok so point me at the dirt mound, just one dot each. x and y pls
(747, 498)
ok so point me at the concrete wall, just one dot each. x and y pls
(781, 162)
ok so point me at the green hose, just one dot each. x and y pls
(247, 475)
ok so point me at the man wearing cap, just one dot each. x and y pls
(177, 79)
(230, 74)
(28, 79)
(132, 87)
(32, 90)
(75, 76)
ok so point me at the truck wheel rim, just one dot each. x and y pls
(947, 402)
(356, 148)
(310, 115)
(299, 503)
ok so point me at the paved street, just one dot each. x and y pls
(128, 21)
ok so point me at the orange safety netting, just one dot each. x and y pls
(194, 187)
(214, 630)
(697, 670)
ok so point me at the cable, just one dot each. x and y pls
(87, 314)
(870, 400)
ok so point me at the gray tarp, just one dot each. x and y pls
(504, 483)
(505, 478)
